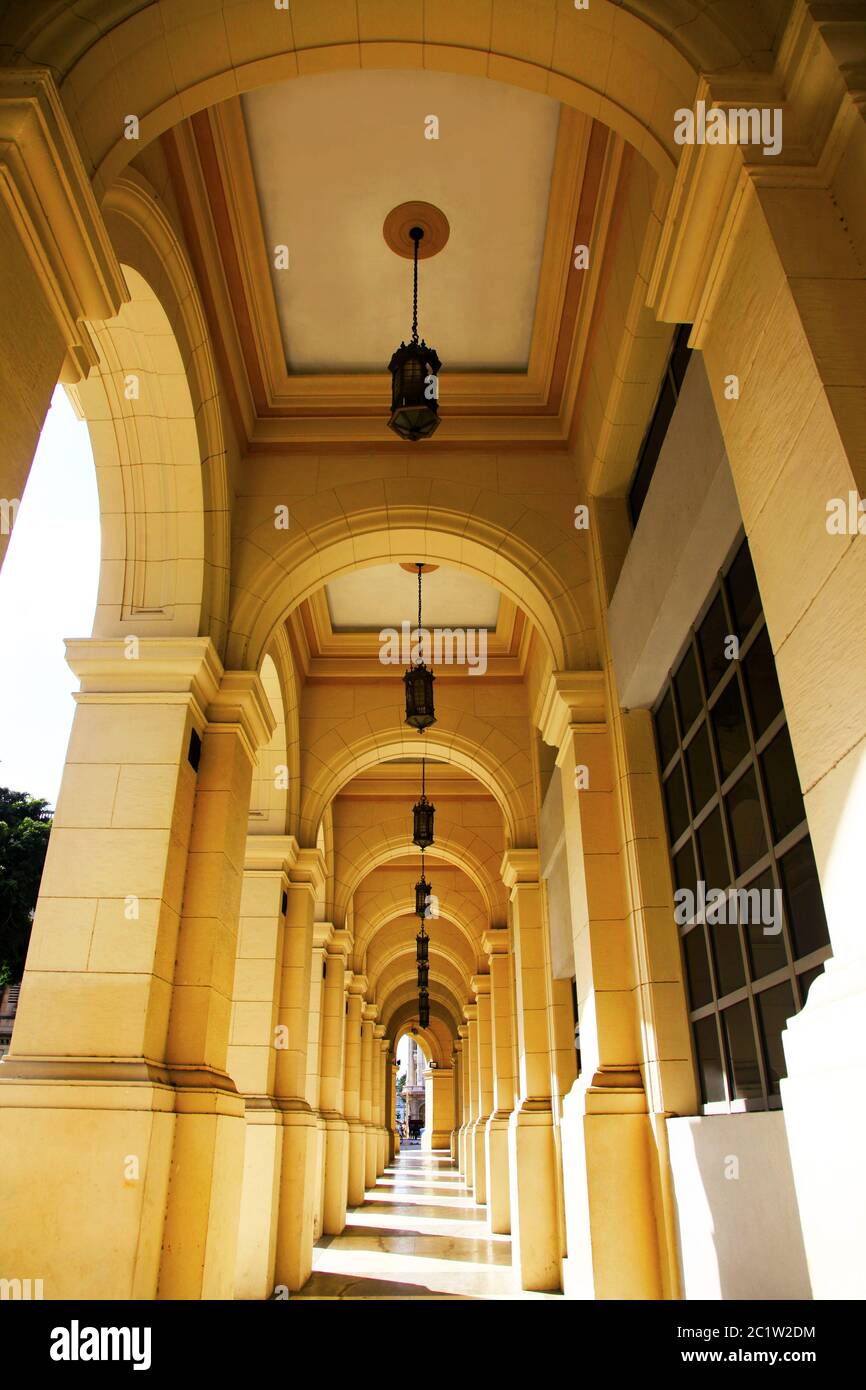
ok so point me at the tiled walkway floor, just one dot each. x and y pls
(418, 1234)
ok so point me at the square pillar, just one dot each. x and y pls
(532, 1159)
(480, 985)
(369, 1014)
(336, 1177)
(357, 988)
(495, 944)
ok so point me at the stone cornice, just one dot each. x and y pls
(570, 698)
(156, 666)
(49, 199)
(241, 700)
(339, 943)
(271, 853)
(494, 942)
(480, 984)
(519, 866)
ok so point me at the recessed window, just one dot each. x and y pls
(736, 823)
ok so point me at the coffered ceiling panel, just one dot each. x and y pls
(368, 600)
(332, 155)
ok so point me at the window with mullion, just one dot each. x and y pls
(736, 823)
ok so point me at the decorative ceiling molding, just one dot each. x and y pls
(278, 411)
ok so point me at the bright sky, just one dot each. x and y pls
(48, 589)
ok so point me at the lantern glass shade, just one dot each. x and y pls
(423, 1007)
(423, 813)
(414, 391)
(420, 713)
(423, 891)
(423, 974)
(422, 946)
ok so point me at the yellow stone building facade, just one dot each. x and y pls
(201, 1080)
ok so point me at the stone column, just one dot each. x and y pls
(470, 1013)
(610, 1155)
(115, 1096)
(481, 989)
(59, 270)
(439, 1101)
(464, 1150)
(331, 1088)
(321, 933)
(381, 1051)
(298, 1179)
(369, 1015)
(457, 1099)
(252, 1059)
(532, 1151)
(357, 988)
(495, 943)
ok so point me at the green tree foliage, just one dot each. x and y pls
(25, 824)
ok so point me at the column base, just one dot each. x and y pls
(260, 1190)
(498, 1194)
(357, 1163)
(371, 1155)
(382, 1157)
(479, 1160)
(607, 1157)
(298, 1196)
(336, 1174)
(535, 1242)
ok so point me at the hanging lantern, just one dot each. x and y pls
(418, 681)
(423, 974)
(423, 813)
(414, 369)
(423, 1008)
(422, 820)
(422, 945)
(423, 892)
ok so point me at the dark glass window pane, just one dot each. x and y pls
(729, 727)
(681, 354)
(742, 1055)
(685, 875)
(743, 591)
(808, 978)
(803, 899)
(709, 1060)
(783, 785)
(713, 857)
(711, 640)
(675, 801)
(725, 936)
(759, 669)
(688, 690)
(702, 779)
(650, 448)
(775, 1007)
(666, 731)
(766, 947)
(744, 818)
(697, 968)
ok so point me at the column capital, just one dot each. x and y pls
(49, 198)
(339, 943)
(356, 986)
(494, 942)
(480, 985)
(470, 1013)
(570, 698)
(241, 700)
(519, 866)
(273, 853)
(370, 1013)
(464, 1034)
(457, 1045)
(322, 935)
(311, 869)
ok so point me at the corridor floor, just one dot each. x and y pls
(418, 1234)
